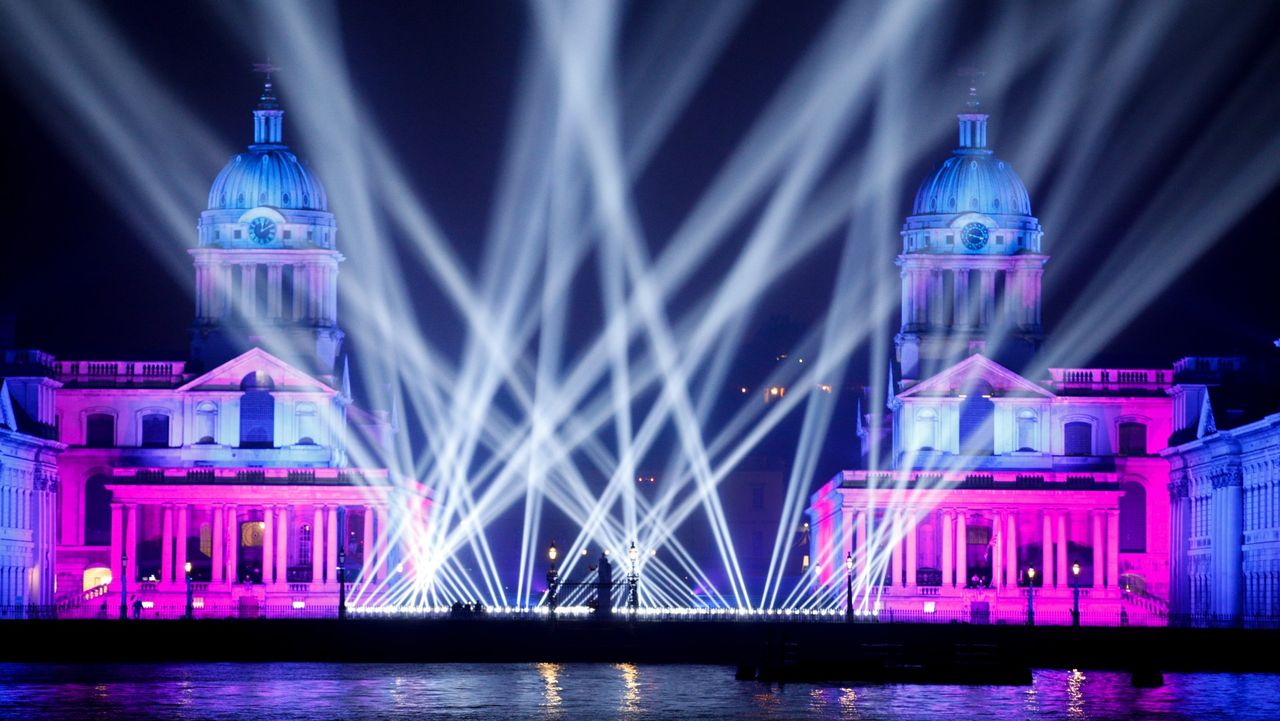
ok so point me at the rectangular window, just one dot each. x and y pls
(100, 431)
(1077, 439)
(1133, 439)
(237, 234)
(951, 239)
(155, 430)
(288, 234)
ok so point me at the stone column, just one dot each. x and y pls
(1011, 549)
(317, 545)
(936, 306)
(166, 546)
(960, 285)
(331, 546)
(1113, 549)
(117, 543)
(948, 555)
(1046, 543)
(275, 290)
(282, 545)
(1060, 577)
(997, 551)
(912, 523)
(1098, 566)
(908, 309)
(1179, 532)
(233, 543)
(988, 300)
(861, 557)
(299, 288)
(897, 532)
(202, 281)
(1229, 533)
(131, 543)
(382, 540)
(962, 550)
(217, 539)
(370, 553)
(268, 545)
(248, 294)
(180, 545)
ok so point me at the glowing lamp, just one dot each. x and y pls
(187, 566)
(584, 553)
(633, 553)
(1031, 573)
(1075, 568)
(848, 561)
(551, 552)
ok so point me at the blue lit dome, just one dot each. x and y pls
(269, 173)
(972, 179)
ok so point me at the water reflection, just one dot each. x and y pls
(550, 673)
(240, 692)
(1075, 695)
(631, 687)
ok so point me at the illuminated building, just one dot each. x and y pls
(237, 460)
(992, 474)
(28, 480)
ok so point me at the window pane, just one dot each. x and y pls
(1133, 439)
(100, 431)
(1078, 440)
(155, 431)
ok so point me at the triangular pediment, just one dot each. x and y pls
(232, 374)
(974, 370)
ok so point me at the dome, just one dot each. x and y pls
(973, 182)
(267, 175)
(972, 179)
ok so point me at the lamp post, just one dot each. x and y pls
(190, 602)
(633, 579)
(848, 591)
(1075, 594)
(551, 579)
(1031, 596)
(124, 585)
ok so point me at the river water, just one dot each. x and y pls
(592, 692)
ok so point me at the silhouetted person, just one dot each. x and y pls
(137, 607)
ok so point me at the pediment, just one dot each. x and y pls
(976, 370)
(231, 375)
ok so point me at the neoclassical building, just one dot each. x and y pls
(235, 461)
(1224, 492)
(28, 481)
(997, 482)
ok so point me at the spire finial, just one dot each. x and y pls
(268, 118)
(268, 99)
(972, 74)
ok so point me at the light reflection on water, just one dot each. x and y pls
(592, 691)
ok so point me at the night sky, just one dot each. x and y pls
(439, 77)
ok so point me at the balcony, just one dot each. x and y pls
(1111, 380)
(118, 374)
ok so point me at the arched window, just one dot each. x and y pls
(100, 430)
(97, 511)
(257, 411)
(926, 429)
(206, 428)
(977, 432)
(308, 423)
(1133, 439)
(1077, 438)
(1133, 517)
(304, 545)
(155, 430)
(1027, 430)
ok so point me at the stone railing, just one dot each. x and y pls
(121, 373)
(1110, 379)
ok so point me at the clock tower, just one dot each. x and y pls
(970, 262)
(266, 263)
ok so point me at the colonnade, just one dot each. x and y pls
(314, 290)
(924, 301)
(953, 523)
(280, 530)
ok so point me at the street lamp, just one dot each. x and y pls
(634, 578)
(551, 578)
(848, 592)
(1075, 593)
(190, 603)
(1031, 595)
(342, 563)
(124, 585)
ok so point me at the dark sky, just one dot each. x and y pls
(440, 77)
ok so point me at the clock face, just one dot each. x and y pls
(974, 236)
(262, 230)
